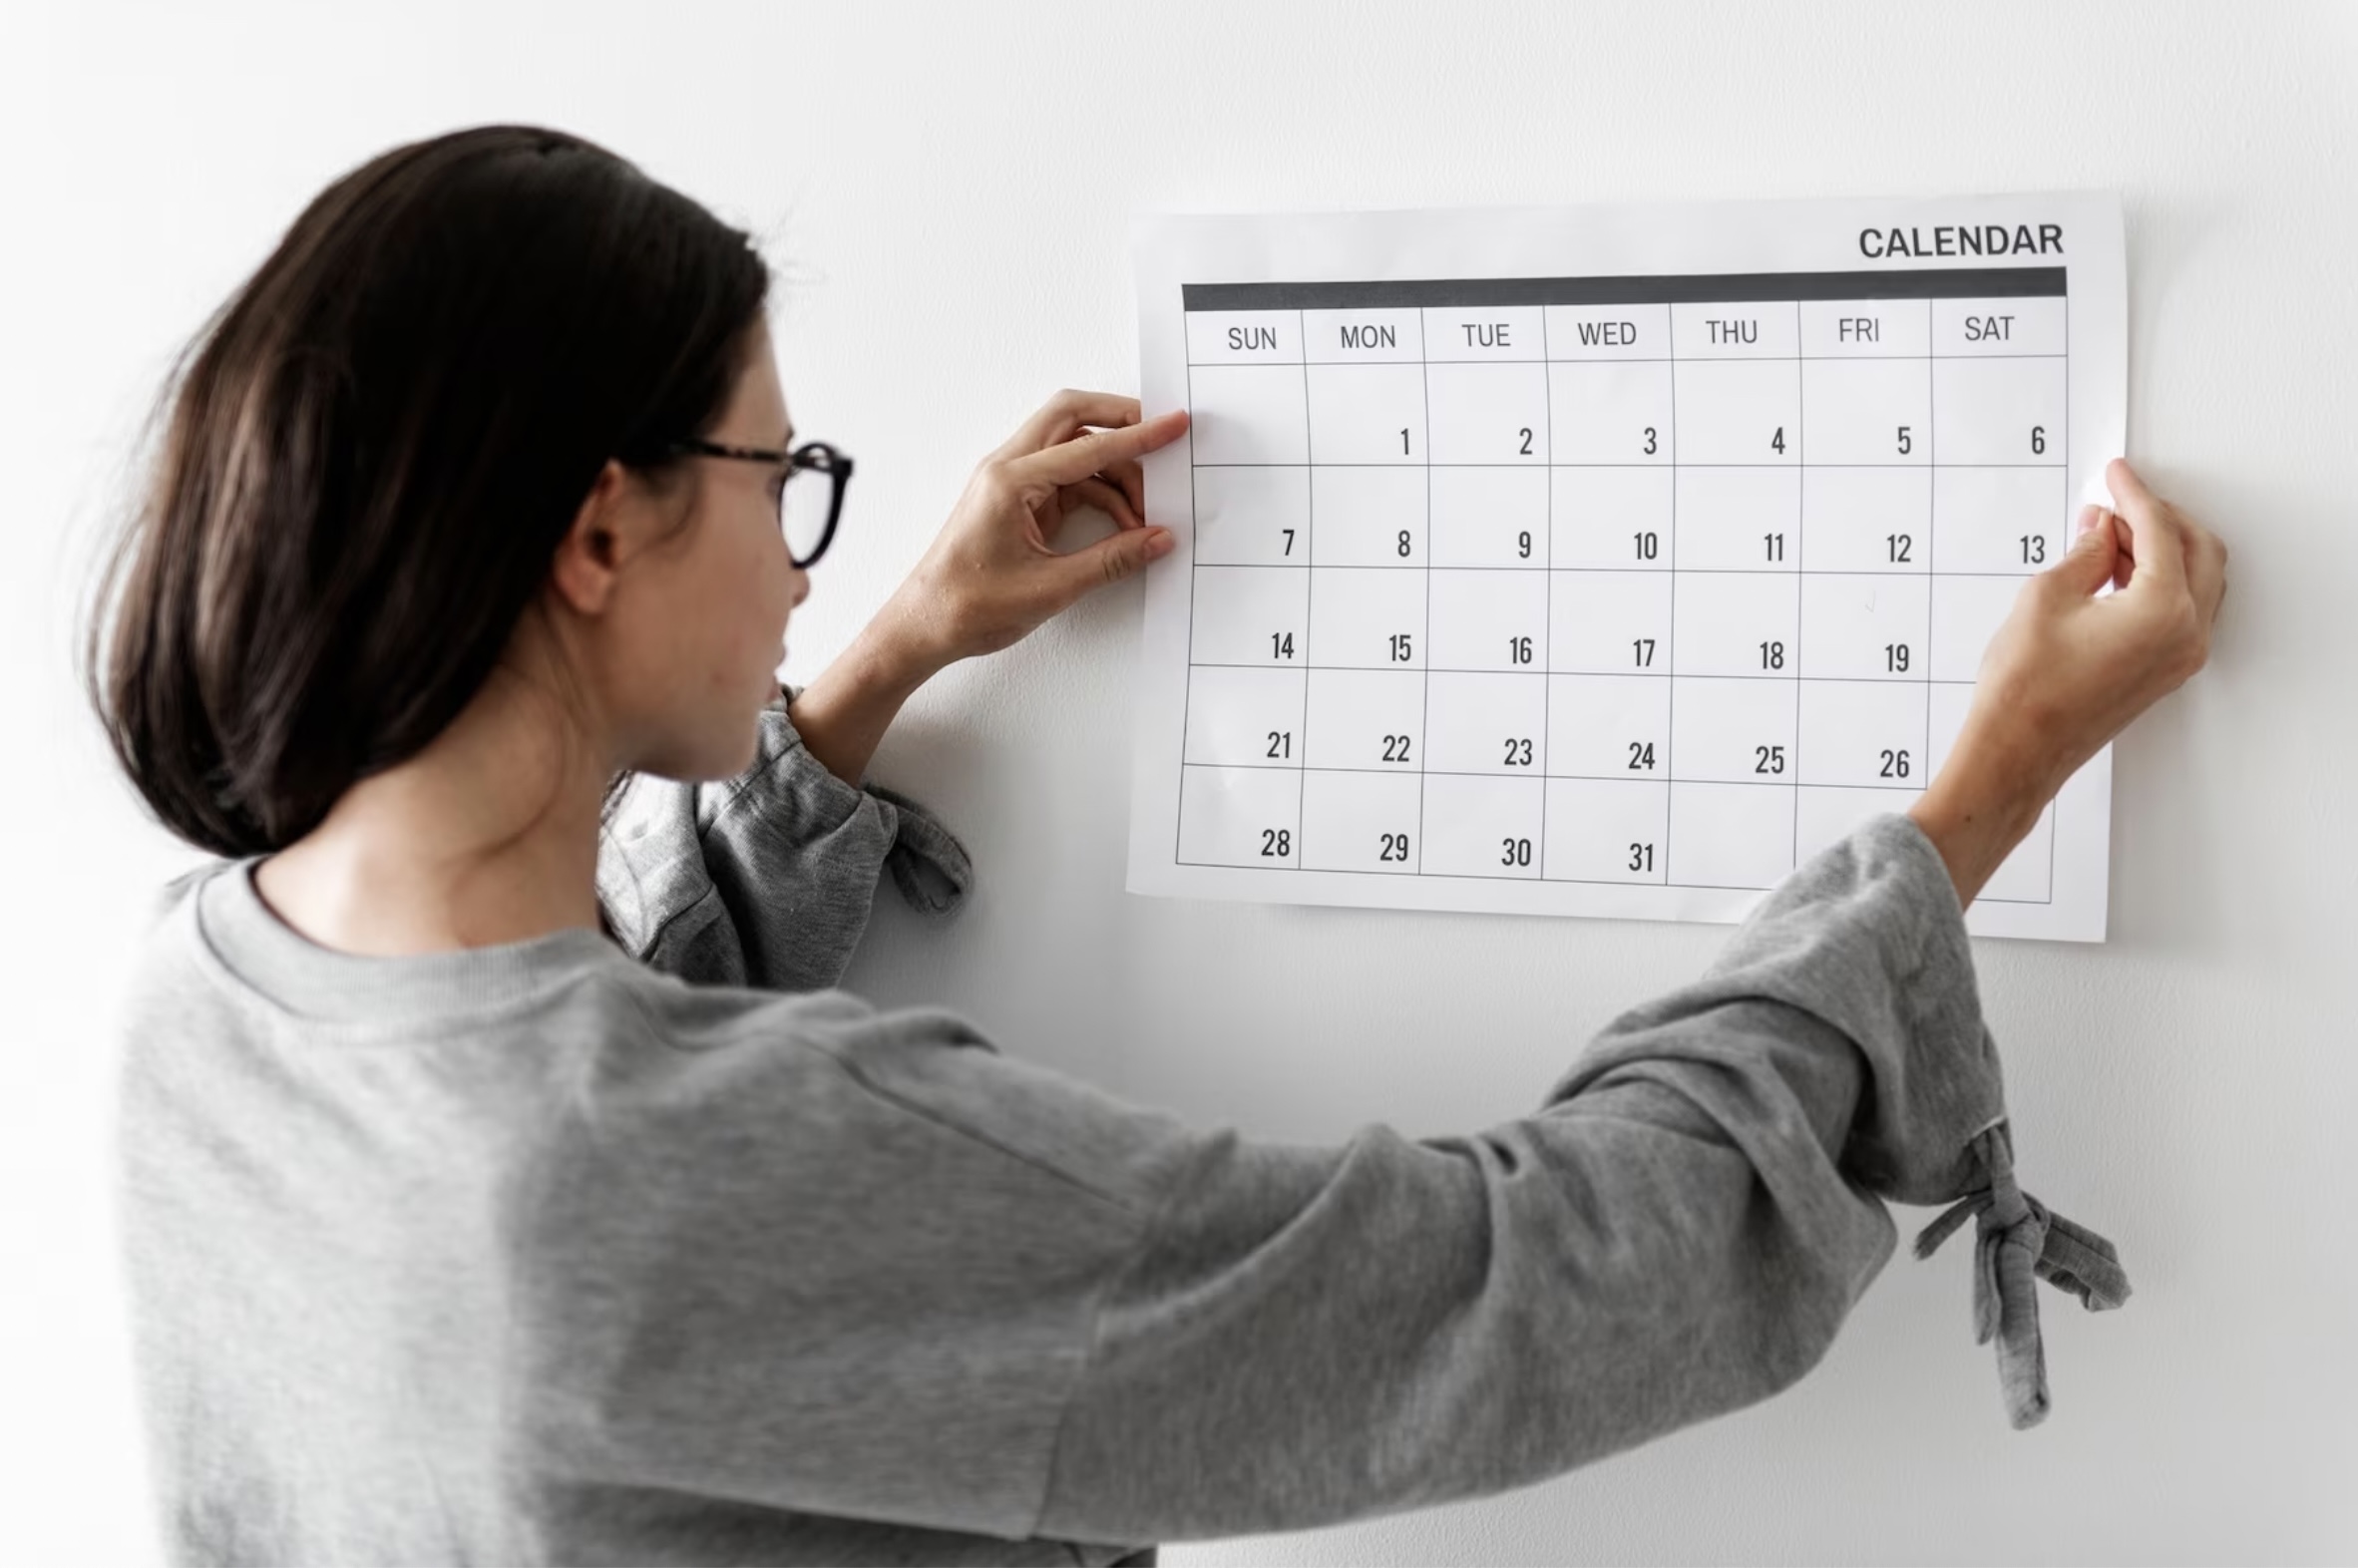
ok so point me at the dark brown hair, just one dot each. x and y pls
(369, 454)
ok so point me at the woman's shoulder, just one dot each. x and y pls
(161, 975)
(827, 1075)
(745, 1050)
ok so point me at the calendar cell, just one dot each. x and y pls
(1739, 520)
(1731, 835)
(1999, 520)
(1866, 734)
(1608, 332)
(1737, 624)
(1486, 723)
(1741, 330)
(1360, 336)
(1966, 614)
(1738, 410)
(1477, 827)
(1487, 413)
(1461, 332)
(1823, 817)
(1252, 516)
(1866, 329)
(1867, 520)
(1864, 627)
(1360, 821)
(1365, 718)
(1366, 414)
(1489, 621)
(1609, 726)
(1245, 718)
(1612, 517)
(1998, 327)
(1368, 618)
(1247, 414)
(1230, 338)
(1609, 622)
(1250, 616)
(1489, 517)
(1607, 830)
(1608, 411)
(1733, 731)
(1240, 816)
(1868, 411)
(1366, 516)
(2006, 411)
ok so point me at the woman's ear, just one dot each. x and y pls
(591, 550)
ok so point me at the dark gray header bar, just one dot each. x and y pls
(1974, 282)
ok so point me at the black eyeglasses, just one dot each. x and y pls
(805, 515)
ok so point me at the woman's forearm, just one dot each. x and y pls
(843, 715)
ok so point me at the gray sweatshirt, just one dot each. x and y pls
(664, 1252)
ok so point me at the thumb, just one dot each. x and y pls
(1117, 556)
(2088, 564)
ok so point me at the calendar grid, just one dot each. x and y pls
(1547, 666)
(1801, 560)
(1909, 466)
(1328, 649)
(1670, 651)
(1424, 679)
(1931, 538)
(1686, 571)
(1310, 587)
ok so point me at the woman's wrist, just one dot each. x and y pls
(1984, 802)
(900, 649)
(843, 715)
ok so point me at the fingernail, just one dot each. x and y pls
(1159, 543)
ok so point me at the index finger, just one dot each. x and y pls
(1065, 413)
(1087, 454)
(2155, 540)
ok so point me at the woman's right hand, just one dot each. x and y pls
(2068, 669)
(995, 572)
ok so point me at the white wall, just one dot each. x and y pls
(951, 187)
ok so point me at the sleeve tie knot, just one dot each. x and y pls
(2020, 1239)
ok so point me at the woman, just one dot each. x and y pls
(500, 1186)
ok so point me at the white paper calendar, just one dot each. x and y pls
(1605, 562)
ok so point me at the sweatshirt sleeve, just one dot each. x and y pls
(981, 1295)
(766, 880)
(1308, 1335)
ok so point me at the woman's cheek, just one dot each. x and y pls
(779, 590)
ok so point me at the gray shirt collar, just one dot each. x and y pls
(301, 976)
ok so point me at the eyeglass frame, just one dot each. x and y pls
(815, 455)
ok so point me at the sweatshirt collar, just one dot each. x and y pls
(299, 977)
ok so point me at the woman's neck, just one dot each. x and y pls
(488, 835)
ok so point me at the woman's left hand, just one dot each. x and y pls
(994, 573)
